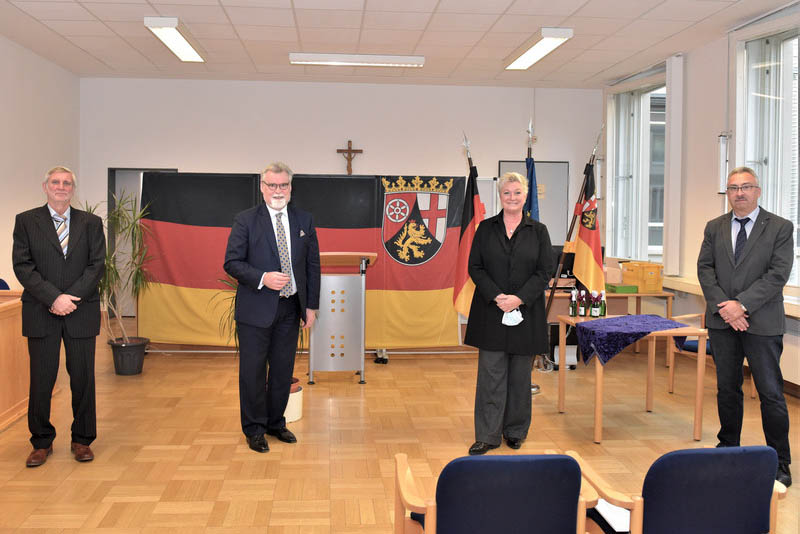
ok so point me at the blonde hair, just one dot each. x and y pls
(57, 169)
(278, 167)
(513, 177)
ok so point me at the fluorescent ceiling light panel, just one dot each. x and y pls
(356, 60)
(545, 41)
(166, 29)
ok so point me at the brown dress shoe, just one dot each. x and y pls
(38, 456)
(82, 452)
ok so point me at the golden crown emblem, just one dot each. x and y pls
(417, 185)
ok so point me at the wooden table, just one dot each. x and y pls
(565, 320)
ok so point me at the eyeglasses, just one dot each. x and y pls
(746, 188)
(275, 187)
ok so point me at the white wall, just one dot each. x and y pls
(39, 130)
(230, 126)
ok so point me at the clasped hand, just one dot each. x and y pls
(733, 314)
(275, 280)
(507, 302)
(64, 304)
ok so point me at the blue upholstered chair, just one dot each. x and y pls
(495, 494)
(3, 284)
(702, 491)
(690, 349)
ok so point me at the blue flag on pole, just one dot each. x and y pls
(532, 202)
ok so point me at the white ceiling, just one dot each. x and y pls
(464, 41)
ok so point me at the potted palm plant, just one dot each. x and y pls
(125, 273)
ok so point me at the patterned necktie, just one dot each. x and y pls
(741, 238)
(283, 253)
(63, 232)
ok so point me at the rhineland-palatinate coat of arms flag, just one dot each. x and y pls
(414, 218)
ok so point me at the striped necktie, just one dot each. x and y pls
(283, 253)
(62, 229)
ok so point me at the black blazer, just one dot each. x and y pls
(524, 270)
(44, 272)
(252, 250)
(757, 281)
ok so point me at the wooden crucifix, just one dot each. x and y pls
(349, 153)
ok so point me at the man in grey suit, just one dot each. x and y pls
(59, 258)
(744, 263)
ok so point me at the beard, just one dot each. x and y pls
(278, 203)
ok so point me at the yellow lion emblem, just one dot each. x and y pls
(410, 239)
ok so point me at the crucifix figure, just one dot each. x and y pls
(349, 153)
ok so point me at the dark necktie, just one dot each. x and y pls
(741, 238)
(283, 254)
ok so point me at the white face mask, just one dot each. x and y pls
(512, 318)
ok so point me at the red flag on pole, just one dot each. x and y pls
(588, 266)
(470, 218)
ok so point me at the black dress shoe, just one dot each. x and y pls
(480, 447)
(514, 443)
(784, 476)
(283, 434)
(258, 443)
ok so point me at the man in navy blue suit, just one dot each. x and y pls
(274, 254)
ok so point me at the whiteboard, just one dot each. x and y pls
(555, 208)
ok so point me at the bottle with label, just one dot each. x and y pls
(595, 310)
(573, 303)
(582, 304)
(603, 304)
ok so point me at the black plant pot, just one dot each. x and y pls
(128, 357)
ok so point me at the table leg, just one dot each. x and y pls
(562, 365)
(638, 312)
(698, 392)
(669, 306)
(651, 372)
(598, 400)
(671, 363)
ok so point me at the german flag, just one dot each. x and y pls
(588, 266)
(189, 219)
(471, 217)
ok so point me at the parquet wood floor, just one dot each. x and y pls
(170, 457)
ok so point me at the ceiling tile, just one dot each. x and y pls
(232, 68)
(113, 51)
(129, 29)
(267, 33)
(121, 12)
(649, 28)
(80, 28)
(328, 70)
(264, 52)
(691, 10)
(594, 25)
(55, 10)
(490, 52)
(512, 40)
(153, 49)
(419, 6)
(211, 31)
(285, 4)
(461, 22)
(380, 20)
(257, 16)
(451, 38)
(545, 7)
(525, 23)
(208, 14)
(186, 2)
(604, 55)
(390, 49)
(627, 43)
(441, 51)
(355, 5)
(333, 37)
(626, 9)
(407, 38)
(435, 65)
(582, 42)
(473, 6)
(325, 18)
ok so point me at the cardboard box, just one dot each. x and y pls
(647, 276)
(620, 288)
(612, 271)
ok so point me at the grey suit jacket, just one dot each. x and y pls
(757, 281)
(44, 272)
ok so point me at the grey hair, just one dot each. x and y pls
(278, 167)
(743, 170)
(60, 168)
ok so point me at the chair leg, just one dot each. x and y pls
(671, 364)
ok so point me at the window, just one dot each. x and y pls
(769, 109)
(635, 228)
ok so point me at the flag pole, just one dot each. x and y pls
(581, 199)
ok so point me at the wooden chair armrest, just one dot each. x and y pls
(701, 316)
(408, 498)
(779, 490)
(603, 489)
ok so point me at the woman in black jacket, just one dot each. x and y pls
(510, 263)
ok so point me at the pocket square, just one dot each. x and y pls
(302, 233)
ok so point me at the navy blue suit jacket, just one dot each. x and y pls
(252, 250)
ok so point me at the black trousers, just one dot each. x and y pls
(266, 363)
(44, 360)
(763, 355)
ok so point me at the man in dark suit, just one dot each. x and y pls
(274, 254)
(744, 263)
(59, 257)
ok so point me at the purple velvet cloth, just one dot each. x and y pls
(608, 337)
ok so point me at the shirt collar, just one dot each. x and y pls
(273, 212)
(54, 212)
(753, 215)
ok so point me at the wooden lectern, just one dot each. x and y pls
(14, 365)
(337, 338)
